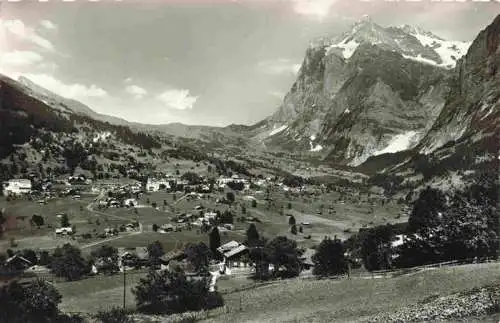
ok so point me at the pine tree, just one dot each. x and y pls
(252, 235)
(214, 240)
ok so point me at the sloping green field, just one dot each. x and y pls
(349, 300)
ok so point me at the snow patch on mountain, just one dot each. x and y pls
(348, 47)
(421, 59)
(448, 50)
(400, 142)
(277, 130)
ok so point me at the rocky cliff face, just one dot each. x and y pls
(472, 108)
(370, 91)
(465, 136)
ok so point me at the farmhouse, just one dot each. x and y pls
(17, 187)
(166, 228)
(232, 253)
(17, 263)
(132, 257)
(398, 241)
(110, 231)
(306, 259)
(64, 231)
(210, 216)
(130, 202)
(156, 184)
(173, 255)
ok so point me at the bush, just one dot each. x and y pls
(170, 292)
(214, 300)
(37, 302)
(114, 315)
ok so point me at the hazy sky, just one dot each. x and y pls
(194, 61)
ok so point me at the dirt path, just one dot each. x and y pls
(91, 209)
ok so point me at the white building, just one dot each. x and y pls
(154, 184)
(210, 216)
(64, 231)
(17, 187)
(222, 181)
(130, 203)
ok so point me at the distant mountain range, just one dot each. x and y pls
(375, 97)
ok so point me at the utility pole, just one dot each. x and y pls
(124, 286)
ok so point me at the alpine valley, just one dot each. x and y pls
(393, 100)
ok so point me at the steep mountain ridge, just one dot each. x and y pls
(466, 135)
(35, 136)
(363, 93)
(473, 105)
(64, 104)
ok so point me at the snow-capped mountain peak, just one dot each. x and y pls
(448, 50)
(412, 42)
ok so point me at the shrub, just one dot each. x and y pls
(171, 292)
(114, 315)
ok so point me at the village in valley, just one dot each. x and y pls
(240, 162)
(174, 211)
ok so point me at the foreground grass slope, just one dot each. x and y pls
(350, 300)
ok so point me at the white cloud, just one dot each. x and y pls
(277, 94)
(47, 24)
(18, 28)
(72, 91)
(137, 91)
(127, 80)
(313, 8)
(20, 58)
(178, 99)
(279, 66)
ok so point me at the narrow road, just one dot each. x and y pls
(180, 199)
(91, 209)
(96, 243)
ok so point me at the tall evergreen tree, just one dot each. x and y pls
(252, 235)
(214, 240)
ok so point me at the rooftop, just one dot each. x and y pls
(235, 251)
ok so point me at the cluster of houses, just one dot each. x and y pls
(17, 187)
(175, 182)
(167, 182)
(233, 255)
